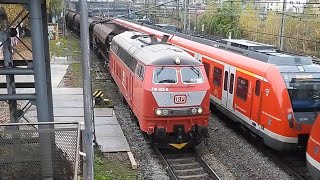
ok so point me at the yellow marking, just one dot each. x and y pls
(247, 72)
(98, 93)
(179, 146)
(314, 140)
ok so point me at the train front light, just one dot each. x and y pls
(290, 120)
(158, 112)
(200, 110)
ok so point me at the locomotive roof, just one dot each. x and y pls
(149, 52)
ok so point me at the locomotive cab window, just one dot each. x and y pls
(191, 75)
(242, 88)
(217, 73)
(165, 75)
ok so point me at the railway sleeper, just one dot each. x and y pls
(181, 160)
(185, 166)
(191, 171)
(198, 176)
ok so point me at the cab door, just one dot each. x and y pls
(228, 87)
(256, 101)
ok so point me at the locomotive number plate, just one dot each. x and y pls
(180, 99)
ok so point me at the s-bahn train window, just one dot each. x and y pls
(217, 73)
(191, 75)
(165, 75)
(225, 84)
(257, 90)
(207, 68)
(231, 83)
(242, 88)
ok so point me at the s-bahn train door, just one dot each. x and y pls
(228, 87)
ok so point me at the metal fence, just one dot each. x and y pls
(39, 150)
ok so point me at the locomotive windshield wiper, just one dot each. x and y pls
(160, 70)
(195, 70)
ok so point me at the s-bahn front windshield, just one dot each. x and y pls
(305, 94)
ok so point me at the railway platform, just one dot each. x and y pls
(68, 107)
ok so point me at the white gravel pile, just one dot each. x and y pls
(232, 157)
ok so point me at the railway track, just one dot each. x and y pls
(187, 164)
(294, 163)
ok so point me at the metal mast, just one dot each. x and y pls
(87, 91)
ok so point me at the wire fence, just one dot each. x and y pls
(39, 150)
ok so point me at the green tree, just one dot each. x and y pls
(12, 10)
(54, 7)
(222, 20)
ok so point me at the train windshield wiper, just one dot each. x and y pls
(159, 71)
(195, 70)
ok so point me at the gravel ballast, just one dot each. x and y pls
(233, 157)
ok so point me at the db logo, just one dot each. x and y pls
(180, 99)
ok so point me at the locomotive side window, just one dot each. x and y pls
(207, 68)
(242, 88)
(217, 76)
(128, 60)
(257, 90)
(165, 75)
(191, 75)
(140, 71)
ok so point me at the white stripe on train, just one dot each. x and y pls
(313, 162)
(266, 131)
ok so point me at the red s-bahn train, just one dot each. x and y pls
(274, 94)
(165, 87)
(313, 151)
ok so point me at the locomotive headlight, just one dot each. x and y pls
(158, 112)
(194, 111)
(200, 110)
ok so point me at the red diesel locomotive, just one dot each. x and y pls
(165, 87)
(313, 151)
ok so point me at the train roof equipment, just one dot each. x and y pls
(265, 52)
(149, 50)
(259, 51)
